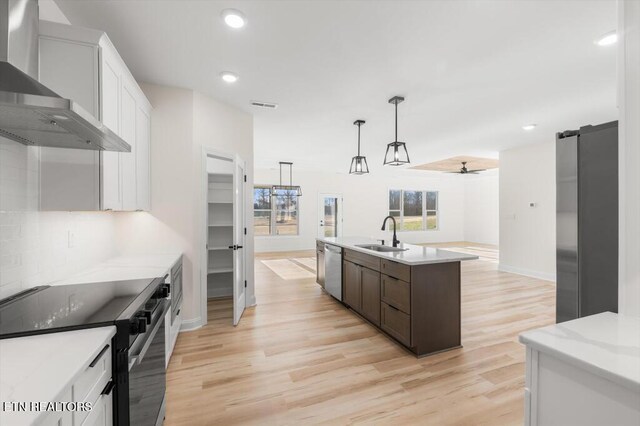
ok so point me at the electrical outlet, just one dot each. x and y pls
(71, 239)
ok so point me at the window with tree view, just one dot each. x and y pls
(414, 210)
(275, 213)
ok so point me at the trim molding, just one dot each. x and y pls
(191, 324)
(527, 272)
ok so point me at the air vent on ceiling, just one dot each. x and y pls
(260, 104)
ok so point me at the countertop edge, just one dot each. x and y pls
(460, 257)
(578, 362)
(110, 331)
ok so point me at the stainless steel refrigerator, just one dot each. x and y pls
(587, 221)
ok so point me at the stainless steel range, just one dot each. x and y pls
(137, 308)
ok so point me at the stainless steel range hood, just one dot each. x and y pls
(31, 113)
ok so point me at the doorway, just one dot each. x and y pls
(329, 215)
(224, 261)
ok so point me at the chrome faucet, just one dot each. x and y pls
(384, 224)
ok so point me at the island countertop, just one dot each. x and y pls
(412, 255)
(605, 344)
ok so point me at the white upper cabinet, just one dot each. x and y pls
(110, 98)
(83, 65)
(143, 158)
(128, 116)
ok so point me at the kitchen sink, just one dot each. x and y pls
(379, 247)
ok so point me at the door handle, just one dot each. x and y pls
(233, 247)
(239, 247)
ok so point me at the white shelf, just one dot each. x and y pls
(221, 225)
(219, 248)
(220, 270)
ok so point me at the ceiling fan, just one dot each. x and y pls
(463, 170)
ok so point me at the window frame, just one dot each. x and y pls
(400, 217)
(273, 211)
(270, 210)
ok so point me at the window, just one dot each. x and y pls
(414, 210)
(261, 211)
(275, 214)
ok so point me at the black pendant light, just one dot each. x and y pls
(289, 188)
(359, 164)
(396, 154)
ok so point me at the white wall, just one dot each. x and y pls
(35, 247)
(528, 234)
(629, 152)
(40, 247)
(366, 205)
(482, 208)
(49, 11)
(183, 122)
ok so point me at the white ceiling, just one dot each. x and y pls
(472, 72)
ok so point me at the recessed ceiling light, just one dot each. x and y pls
(234, 18)
(229, 77)
(607, 39)
(529, 127)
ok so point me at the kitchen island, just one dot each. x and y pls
(409, 292)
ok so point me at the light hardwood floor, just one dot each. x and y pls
(299, 357)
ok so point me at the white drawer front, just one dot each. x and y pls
(90, 384)
(102, 413)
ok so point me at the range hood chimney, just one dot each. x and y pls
(31, 113)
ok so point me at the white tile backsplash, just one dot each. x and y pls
(35, 247)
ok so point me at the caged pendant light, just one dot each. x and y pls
(396, 154)
(359, 164)
(289, 188)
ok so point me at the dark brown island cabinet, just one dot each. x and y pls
(417, 305)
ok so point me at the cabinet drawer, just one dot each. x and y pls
(396, 293)
(396, 323)
(102, 412)
(59, 418)
(92, 381)
(366, 260)
(396, 270)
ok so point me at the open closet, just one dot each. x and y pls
(220, 237)
(226, 232)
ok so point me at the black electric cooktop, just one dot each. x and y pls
(70, 307)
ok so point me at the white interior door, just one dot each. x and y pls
(329, 215)
(239, 258)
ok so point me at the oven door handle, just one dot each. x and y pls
(137, 358)
(133, 360)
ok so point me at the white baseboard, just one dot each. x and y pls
(251, 301)
(527, 272)
(191, 324)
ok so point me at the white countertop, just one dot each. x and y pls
(38, 368)
(124, 268)
(413, 255)
(606, 344)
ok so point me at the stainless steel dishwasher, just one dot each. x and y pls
(333, 270)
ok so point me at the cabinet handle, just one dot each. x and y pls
(95, 361)
(107, 389)
(394, 308)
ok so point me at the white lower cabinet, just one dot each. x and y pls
(63, 418)
(91, 387)
(102, 412)
(558, 392)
